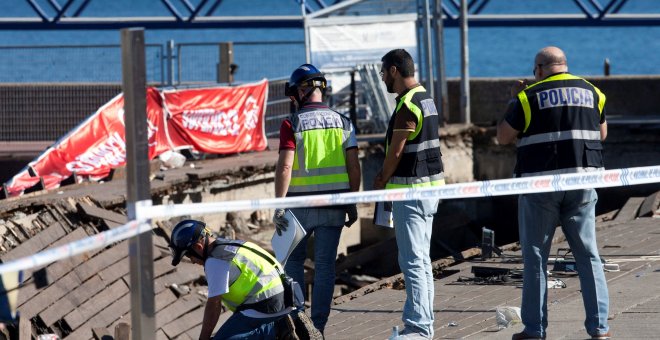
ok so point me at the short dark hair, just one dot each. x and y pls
(402, 60)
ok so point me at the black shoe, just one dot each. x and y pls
(524, 336)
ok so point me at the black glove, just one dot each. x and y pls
(281, 223)
(351, 212)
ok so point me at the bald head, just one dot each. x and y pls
(552, 59)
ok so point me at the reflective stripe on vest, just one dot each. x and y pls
(558, 136)
(424, 140)
(255, 280)
(319, 162)
(413, 148)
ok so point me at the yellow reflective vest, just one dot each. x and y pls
(322, 136)
(252, 279)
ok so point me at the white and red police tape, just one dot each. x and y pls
(501, 187)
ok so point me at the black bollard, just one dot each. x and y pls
(606, 67)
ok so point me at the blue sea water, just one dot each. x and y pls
(494, 51)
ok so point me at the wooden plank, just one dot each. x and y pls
(650, 205)
(101, 333)
(122, 331)
(49, 295)
(57, 270)
(102, 214)
(193, 333)
(163, 266)
(184, 323)
(118, 269)
(72, 300)
(60, 268)
(163, 299)
(24, 329)
(97, 303)
(121, 267)
(102, 260)
(103, 319)
(36, 243)
(176, 309)
(185, 273)
(160, 335)
(629, 210)
(54, 312)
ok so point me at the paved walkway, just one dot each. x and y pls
(467, 311)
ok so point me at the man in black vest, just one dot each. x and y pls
(559, 122)
(412, 160)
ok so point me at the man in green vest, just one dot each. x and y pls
(412, 160)
(318, 155)
(559, 122)
(242, 276)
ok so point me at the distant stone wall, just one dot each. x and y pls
(626, 96)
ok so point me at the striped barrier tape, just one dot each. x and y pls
(500, 187)
(527, 185)
(106, 238)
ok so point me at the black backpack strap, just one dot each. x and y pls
(265, 257)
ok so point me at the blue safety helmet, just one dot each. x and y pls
(306, 75)
(184, 235)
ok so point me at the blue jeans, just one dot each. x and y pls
(239, 326)
(413, 223)
(538, 216)
(326, 225)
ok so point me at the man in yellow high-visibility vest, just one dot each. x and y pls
(318, 155)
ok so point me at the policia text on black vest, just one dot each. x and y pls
(560, 126)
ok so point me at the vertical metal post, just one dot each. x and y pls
(429, 49)
(137, 181)
(465, 66)
(353, 104)
(442, 99)
(170, 62)
(606, 67)
(178, 63)
(308, 52)
(226, 59)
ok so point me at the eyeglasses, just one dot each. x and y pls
(537, 66)
(382, 73)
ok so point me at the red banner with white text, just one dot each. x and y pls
(213, 120)
(93, 148)
(219, 119)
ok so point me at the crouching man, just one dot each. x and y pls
(243, 276)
